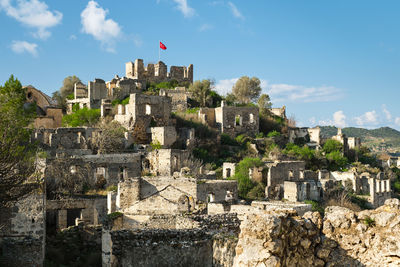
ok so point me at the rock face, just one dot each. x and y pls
(342, 238)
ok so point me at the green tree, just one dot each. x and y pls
(82, 117)
(264, 103)
(332, 145)
(201, 91)
(336, 160)
(247, 89)
(245, 185)
(66, 91)
(17, 153)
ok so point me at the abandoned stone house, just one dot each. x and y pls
(375, 188)
(141, 198)
(310, 136)
(179, 98)
(280, 112)
(143, 112)
(231, 120)
(48, 114)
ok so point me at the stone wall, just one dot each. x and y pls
(63, 213)
(142, 112)
(165, 136)
(218, 190)
(157, 72)
(22, 232)
(179, 98)
(237, 120)
(158, 248)
(165, 162)
(302, 190)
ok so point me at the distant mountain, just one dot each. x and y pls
(381, 139)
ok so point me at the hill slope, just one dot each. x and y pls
(381, 139)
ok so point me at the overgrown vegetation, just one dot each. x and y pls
(81, 117)
(17, 153)
(245, 185)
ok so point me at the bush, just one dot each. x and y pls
(82, 117)
(227, 140)
(242, 175)
(257, 192)
(368, 221)
(332, 146)
(274, 133)
(316, 206)
(192, 110)
(156, 145)
(336, 160)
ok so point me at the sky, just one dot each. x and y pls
(329, 62)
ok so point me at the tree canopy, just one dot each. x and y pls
(201, 91)
(247, 89)
(17, 153)
(66, 91)
(264, 102)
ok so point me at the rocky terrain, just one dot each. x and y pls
(341, 238)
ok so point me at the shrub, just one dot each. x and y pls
(396, 186)
(242, 175)
(156, 145)
(192, 110)
(112, 188)
(70, 96)
(257, 192)
(332, 146)
(82, 117)
(274, 133)
(336, 160)
(316, 206)
(368, 221)
(227, 140)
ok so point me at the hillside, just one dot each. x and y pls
(384, 139)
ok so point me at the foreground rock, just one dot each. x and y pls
(342, 238)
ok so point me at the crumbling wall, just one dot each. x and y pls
(22, 232)
(221, 190)
(159, 248)
(179, 98)
(237, 120)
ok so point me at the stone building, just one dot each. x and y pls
(231, 120)
(48, 114)
(164, 162)
(143, 112)
(179, 98)
(280, 112)
(302, 190)
(228, 169)
(309, 136)
(140, 198)
(157, 73)
(278, 173)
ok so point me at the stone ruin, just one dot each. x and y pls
(48, 114)
(231, 120)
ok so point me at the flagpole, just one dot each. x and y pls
(159, 51)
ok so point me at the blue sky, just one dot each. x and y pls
(330, 62)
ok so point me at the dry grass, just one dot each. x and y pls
(342, 199)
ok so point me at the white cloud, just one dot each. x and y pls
(298, 93)
(235, 11)
(73, 37)
(224, 87)
(20, 47)
(368, 118)
(34, 14)
(339, 119)
(205, 27)
(397, 121)
(283, 93)
(186, 10)
(94, 22)
(312, 120)
(388, 115)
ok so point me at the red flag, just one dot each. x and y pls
(162, 46)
